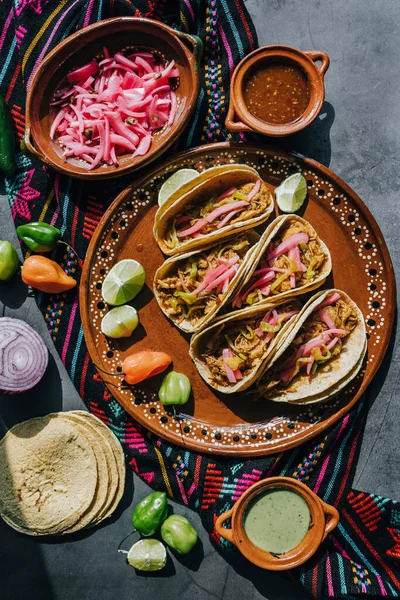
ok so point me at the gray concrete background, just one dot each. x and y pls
(358, 136)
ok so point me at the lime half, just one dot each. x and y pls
(123, 282)
(173, 183)
(147, 555)
(291, 194)
(120, 322)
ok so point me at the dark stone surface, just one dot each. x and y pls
(357, 135)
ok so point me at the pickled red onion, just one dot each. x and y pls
(226, 194)
(221, 210)
(255, 190)
(286, 245)
(131, 92)
(232, 375)
(329, 300)
(227, 218)
(196, 227)
(326, 319)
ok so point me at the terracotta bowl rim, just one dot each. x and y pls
(313, 73)
(141, 161)
(304, 550)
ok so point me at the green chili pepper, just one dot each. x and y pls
(175, 389)
(239, 196)
(207, 208)
(254, 297)
(310, 273)
(270, 328)
(8, 261)
(150, 513)
(233, 347)
(193, 269)
(39, 237)
(7, 140)
(173, 302)
(188, 298)
(248, 333)
(179, 534)
(279, 280)
(188, 313)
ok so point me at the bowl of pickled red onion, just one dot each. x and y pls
(112, 97)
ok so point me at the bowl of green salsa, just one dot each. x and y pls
(278, 523)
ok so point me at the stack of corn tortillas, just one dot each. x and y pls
(60, 473)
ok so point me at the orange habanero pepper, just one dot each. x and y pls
(142, 365)
(46, 275)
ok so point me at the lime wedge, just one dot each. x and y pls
(173, 183)
(120, 322)
(291, 194)
(123, 282)
(147, 555)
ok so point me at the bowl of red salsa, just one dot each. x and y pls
(277, 90)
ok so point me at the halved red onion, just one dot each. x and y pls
(23, 356)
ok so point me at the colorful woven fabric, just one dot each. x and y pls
(361, 557)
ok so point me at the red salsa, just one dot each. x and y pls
(277, 92)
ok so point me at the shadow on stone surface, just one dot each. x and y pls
(192, 560)
(13, 293)
(313, 142)
(24, 574)
(271, 585)
(44, 398)
(376, 384)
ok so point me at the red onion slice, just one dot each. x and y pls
(23, 356)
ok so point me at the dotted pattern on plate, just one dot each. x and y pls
(269, 435)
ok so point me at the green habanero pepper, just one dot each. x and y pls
(7, 140)
(175, 389)
(8, 261)
(150, 513)
(39, 237)
(179, 534)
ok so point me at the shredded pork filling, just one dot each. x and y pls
(248, 343)
(176, 291)
(344, 318)
(310, 260)
(205, 206)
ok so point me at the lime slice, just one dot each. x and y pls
(291, 194)
(147, 555)
(120, 322)
(173, 183)
(123, 282)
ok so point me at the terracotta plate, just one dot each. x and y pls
(234, 424)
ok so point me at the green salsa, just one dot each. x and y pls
(277, 520)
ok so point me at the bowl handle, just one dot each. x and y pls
(196, 46)
(322, 56)
(334, 517)
(27, 145)
(230, 122)
(222, 531)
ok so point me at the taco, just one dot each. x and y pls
(230, 352)
(228, 201)
(323, 352)
(191, 288)
(292, 260)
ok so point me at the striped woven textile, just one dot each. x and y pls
(361, 557)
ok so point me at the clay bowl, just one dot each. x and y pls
(239, 117)
(80, 48)
(318, 529)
